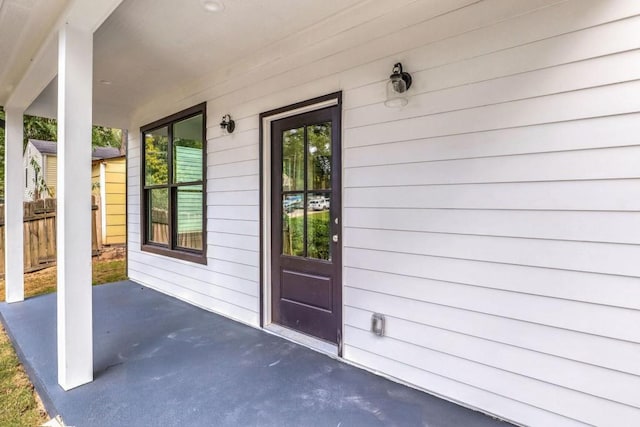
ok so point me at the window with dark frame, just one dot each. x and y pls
(174, 187)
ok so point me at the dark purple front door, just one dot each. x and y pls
(305, 210)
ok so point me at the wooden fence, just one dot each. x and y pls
(39, 225)
(160, 231)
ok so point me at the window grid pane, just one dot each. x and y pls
(187, 150)
(189, 217)
(159, 215)
(156, 145)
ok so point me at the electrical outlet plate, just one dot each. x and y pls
(377, 324)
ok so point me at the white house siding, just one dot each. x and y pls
(494, 220)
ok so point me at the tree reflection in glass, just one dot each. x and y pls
(293, 224)
(319, 157)
(293, 160)
(155, 156)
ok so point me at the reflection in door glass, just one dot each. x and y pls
(293, 224)
(319, 226)
(319, 157)
(293, 160)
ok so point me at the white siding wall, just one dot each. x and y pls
(494, 220)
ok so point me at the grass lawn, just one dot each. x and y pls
(44, 281)
(19, 405)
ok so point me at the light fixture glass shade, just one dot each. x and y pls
(396, 93)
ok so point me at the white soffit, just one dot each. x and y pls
(24, 25)
(147, 47)
(150, 46)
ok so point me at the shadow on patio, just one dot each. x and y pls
(160, 361)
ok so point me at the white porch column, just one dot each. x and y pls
(75, 311)
(13, 197)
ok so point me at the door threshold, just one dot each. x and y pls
(305, 340)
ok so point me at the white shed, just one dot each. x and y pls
(39, 161)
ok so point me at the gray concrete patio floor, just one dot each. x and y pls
(160, 361)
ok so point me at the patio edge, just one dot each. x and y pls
(38, 385)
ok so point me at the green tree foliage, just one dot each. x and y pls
(106, 137)
(156, 167)
(47, 130)
(40, 128)
(319, 156)
(156, 171)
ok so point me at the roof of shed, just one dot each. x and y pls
(99, 153)
(45, 147)
(102, 153)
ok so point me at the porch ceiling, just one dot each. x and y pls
(24, 25)
(147, 47)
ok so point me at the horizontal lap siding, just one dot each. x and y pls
(228, 284)
(585, 226)
(115, 178)
(493, 220)
(51, 168)
(576, 256)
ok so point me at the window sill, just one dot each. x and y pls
(181, 255)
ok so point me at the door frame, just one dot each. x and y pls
(266, 119)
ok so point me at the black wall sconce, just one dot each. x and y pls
(227, 124)
(397, 87)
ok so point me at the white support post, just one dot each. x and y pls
(75, 310)
(14, 181)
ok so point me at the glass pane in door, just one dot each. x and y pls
(293, 224)
(319, 156)
(319, 226)
(293, 160)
